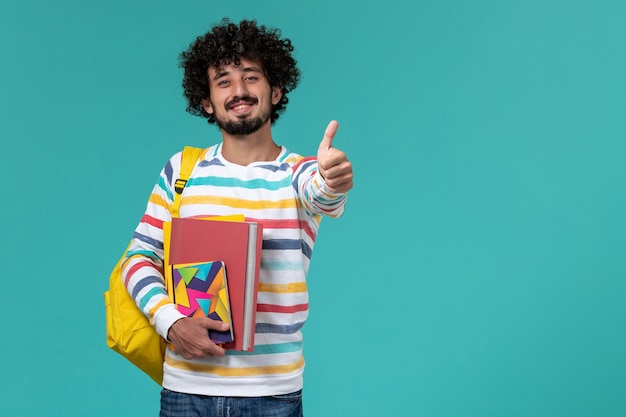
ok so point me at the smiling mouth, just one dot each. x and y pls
(241, 103)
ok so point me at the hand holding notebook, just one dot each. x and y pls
(188, 337)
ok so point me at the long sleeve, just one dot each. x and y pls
(142, 270)
(314, 194)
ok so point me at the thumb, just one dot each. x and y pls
(329, 134)
(214, 324)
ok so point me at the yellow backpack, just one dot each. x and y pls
(128, 330)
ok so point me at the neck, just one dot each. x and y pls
(256, 147)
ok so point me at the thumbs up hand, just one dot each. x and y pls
(332, 163)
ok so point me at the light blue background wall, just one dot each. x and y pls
(479, 269)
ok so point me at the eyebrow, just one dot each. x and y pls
(221, 74)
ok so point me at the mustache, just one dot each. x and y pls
(246, 99)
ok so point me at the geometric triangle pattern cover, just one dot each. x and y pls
(201, 290)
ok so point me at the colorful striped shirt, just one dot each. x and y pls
(288, 197)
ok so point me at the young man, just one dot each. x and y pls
(238, 77)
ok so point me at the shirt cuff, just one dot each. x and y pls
(323, 189)
(165, 317)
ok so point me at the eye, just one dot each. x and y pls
(252, 78)
(223, 83)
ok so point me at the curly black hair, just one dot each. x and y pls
(228, 43)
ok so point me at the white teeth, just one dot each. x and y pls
(240, 107)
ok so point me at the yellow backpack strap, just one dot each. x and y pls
(188, 161)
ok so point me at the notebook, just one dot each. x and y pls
(201, 290)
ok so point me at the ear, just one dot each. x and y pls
(206, 104)
(277, 94)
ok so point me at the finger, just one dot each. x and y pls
(332, 158)
(338, 175)
(214, 350)
(329, 134)
(341, 184)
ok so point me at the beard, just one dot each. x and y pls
(244, 126)
(241, 127)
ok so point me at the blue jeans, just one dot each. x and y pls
(176, 404)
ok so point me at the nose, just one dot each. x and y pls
(240, 89)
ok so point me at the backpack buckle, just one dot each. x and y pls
(179, 185)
